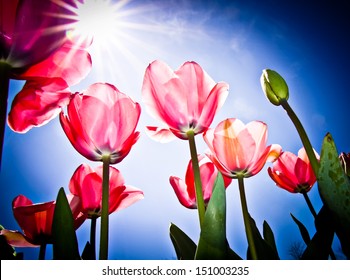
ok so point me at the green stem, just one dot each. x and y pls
(303, 136)
(309, 204)
(197, 177)
(4, 91)
(105, 209)
(93, 236)
(246, 219)
(42, 251)
(313, 212)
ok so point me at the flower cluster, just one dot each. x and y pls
(101, 123)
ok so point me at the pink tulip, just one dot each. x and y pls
(185, 190)
(238, 149)
(101, 121)
(86, 183)
(293, 173)
(46, 90)
(35, 221)
(184, 100)
(30, 30)
(34, 47)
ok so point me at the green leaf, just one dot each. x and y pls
(263, 248)
(65, 244)
(320, 246)
(184, 246)
(269, 237)
(88, 252)
(303, 231)
(334, 188)
(212, 241)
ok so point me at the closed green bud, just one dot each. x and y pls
(274, 86)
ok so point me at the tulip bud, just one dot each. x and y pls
(345, 162)
(274, 86)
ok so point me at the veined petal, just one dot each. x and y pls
(181, 191)
(33, 39)
(162, 135)
(68, 63)
(270, 152)
(16, 239)
(282, 180)
(214, 102)
(85, 148)
(185, 99)
(37, 103)
(233, 145)
(123, 196)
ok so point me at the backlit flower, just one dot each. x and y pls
(238, 149)
(35, 221)
(46, 90)
(183, 100)
(86, 183)
(30, 30)
(293, 172)
(185, 189)
(101, 121)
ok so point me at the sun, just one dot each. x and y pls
(98, 19)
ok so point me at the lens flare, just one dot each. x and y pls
(97, 19)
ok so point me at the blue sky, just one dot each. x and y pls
(307, 43)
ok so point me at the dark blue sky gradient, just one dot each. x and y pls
(307, 42)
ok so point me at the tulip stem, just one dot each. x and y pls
(105, 208)
(309, 204)
(303, 136)
(4, 91)
(42, 251)
(246, 219)
(197, 177)
(313, 212)
(93, 236)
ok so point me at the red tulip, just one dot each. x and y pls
(46, 90)
(102, 121)
(184, 100)
(185, 190)
(86, 183)
(293, 173)
(35, 221)
(238, 149)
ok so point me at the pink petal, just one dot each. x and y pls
(37, 103)
(282, 181)
(69, 63)
(34, 219)
(32, 39)
(213, 103)
(124, 196)
(16, 239)
(256, 165)
(233, 145)
(161, 135)
(181, 191)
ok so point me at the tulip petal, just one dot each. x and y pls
(68, 63)
(37, 103)
(16, 239)
(185, 99)
(33, 39)
(282, 181)
(181, 191)
(161, 135)
(123, 196)
(213, 103)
